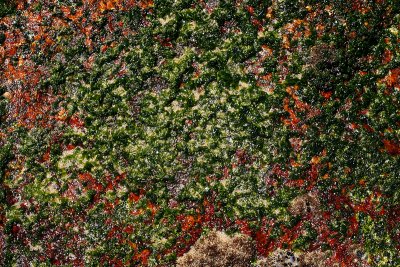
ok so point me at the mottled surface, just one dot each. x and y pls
(217, 249)
(130, 128)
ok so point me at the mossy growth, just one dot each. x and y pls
(6, 7)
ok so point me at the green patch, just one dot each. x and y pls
(7, 7)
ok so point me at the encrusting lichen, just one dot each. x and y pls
(217, 249)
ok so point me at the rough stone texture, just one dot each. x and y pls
(217, 249)
(287, 258)
(281, 258)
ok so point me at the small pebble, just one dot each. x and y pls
(7, 95)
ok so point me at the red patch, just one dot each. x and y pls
(327, 94)
(391, 147)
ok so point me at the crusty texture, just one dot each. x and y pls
(280, 258)
(305, 204)
(315, 258)
(287, 258)
(217, 249)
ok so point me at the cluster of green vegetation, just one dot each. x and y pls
(195, 115)
(6, 7)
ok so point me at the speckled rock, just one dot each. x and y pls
(281, 258)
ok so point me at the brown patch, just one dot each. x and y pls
(315, 258)
(305, 204)
(217, 249)
(322, 55)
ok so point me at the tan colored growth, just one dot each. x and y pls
(315, 258)
(281, 258)
(305, 204)
(7, 95)
(217, 249)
